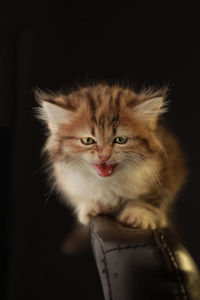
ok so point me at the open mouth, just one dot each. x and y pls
(104, 169)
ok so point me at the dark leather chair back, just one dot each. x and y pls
(142, 264)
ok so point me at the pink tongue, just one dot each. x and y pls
(104, 169)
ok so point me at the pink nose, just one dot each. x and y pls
(104, 158)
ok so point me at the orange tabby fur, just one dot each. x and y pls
(150, 168)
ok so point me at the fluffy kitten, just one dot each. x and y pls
(111, 155)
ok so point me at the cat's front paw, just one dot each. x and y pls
(85, 215)
(138, 217)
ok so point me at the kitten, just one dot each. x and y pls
(111, 155)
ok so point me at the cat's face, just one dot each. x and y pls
(102, 148)
(101, 128)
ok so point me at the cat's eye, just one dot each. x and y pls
(120, 140)
(87, 141)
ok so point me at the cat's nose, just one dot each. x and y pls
(104, 158)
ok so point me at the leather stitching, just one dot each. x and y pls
(128, 247)
(106, 270)
(170, 256)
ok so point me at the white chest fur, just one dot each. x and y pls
(83, 184)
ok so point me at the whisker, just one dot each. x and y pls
(49, 193)
(48, 163)
(137, 156)
(77, 162)
(122, 163)
(155, 175)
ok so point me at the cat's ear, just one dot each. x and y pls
(51, 110)
(150, 110)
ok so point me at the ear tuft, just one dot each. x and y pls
(51, 110)
(150, 110)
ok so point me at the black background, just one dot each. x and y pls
(57, 44)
